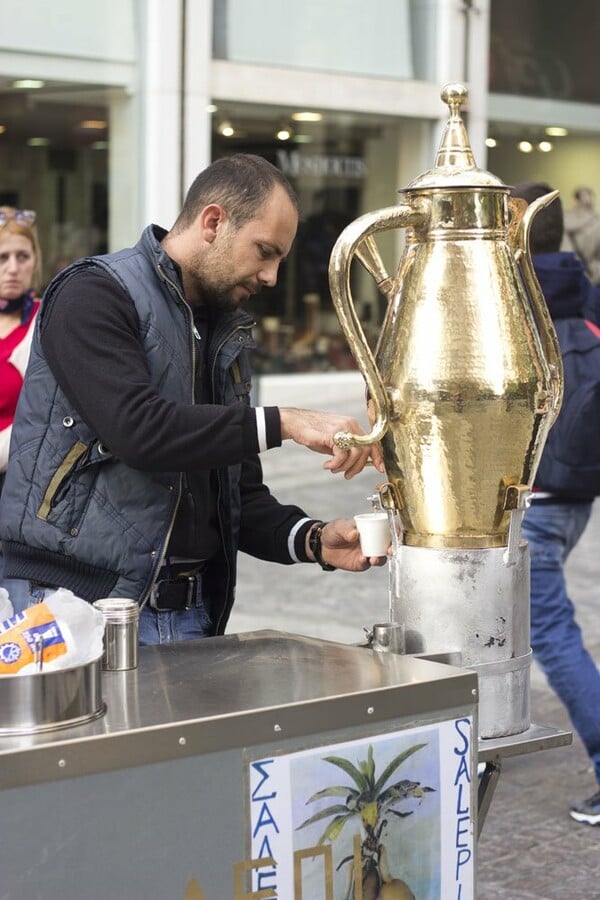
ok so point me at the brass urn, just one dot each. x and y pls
(466, 378)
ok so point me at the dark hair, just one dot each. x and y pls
(239, 183)
(547, 228)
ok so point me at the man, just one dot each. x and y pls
(135, 465)
(556, 519)
(582, 232)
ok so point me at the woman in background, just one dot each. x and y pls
(20, 269)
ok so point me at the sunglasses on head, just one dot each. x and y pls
(21, 216)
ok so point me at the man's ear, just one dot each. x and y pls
(210, 220)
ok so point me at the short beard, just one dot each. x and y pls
(214, 300)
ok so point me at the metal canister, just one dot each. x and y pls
(121, 619)
(388, 637)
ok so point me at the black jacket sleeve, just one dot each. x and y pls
(269, 529)
(90, 336)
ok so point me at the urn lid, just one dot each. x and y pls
(455, 163)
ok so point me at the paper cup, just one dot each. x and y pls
(374, 532)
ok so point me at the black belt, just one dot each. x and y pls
(177, 588)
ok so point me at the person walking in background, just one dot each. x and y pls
(20, 268)
(582, 232)
(135, 468)
(562, 503)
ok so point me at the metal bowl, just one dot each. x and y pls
(44, 701)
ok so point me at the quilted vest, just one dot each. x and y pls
(73, 514)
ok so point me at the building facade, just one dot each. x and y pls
(108, 111)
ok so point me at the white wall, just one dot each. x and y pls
(104, 30)
(333, 36)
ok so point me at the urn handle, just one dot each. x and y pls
(356, 240)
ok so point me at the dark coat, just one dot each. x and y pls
(74, 514)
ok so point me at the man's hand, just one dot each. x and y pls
(340, 547)
(315, 430)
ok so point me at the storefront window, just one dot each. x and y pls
(331, 164)
(545, 48)
(54, 159)
(62, 67)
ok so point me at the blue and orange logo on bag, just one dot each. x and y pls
(10, 623)
(49, 632)
(18, 638)
(9, 652)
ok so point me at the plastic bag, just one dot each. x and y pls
(6, 607)
(69, 628)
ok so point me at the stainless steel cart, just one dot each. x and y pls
(200, 779)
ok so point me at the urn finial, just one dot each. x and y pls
(455, 163)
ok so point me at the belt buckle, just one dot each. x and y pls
(191, 590)
(154, 598)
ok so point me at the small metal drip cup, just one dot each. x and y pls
(121, 618)
(388, 637)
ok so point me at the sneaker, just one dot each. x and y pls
(588, 811)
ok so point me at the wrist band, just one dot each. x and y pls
(314, 542)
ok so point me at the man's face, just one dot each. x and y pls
(243, 260)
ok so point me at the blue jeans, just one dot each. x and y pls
(154, 627)
(552, 531)
(169, 627)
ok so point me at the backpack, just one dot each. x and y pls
(570, 461)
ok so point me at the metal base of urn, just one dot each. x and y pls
(471, 602)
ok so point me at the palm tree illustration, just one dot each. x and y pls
(371, 800)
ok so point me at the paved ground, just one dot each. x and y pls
(529, 847)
